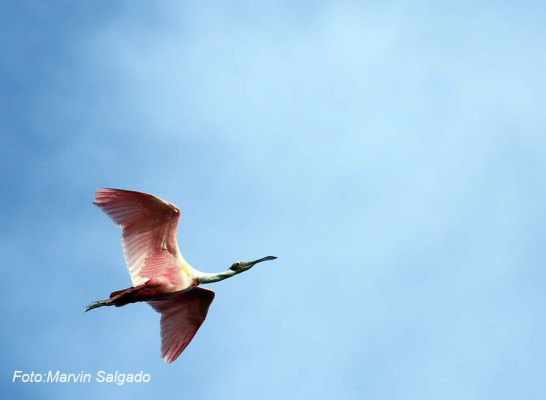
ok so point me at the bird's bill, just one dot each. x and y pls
(250, 264)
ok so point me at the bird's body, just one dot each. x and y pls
(159, 273)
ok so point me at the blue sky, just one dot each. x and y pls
(391, 154)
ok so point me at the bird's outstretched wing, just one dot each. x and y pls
(181, 317)
(149, 231)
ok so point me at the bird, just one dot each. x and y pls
(159, 273)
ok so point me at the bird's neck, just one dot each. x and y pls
(206, 277)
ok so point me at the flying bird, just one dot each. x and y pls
(159, 274)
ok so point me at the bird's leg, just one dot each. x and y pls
(114, 299)
(99, 303)
(123, 297)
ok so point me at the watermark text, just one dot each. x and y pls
(116, 377)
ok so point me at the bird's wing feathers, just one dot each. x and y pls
(149, 231)
(181, 317)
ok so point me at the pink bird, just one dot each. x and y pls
(160, 275)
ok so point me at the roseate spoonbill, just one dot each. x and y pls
(160, 275)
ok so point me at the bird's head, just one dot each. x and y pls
(240, 266)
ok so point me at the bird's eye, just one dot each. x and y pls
(236, 266)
